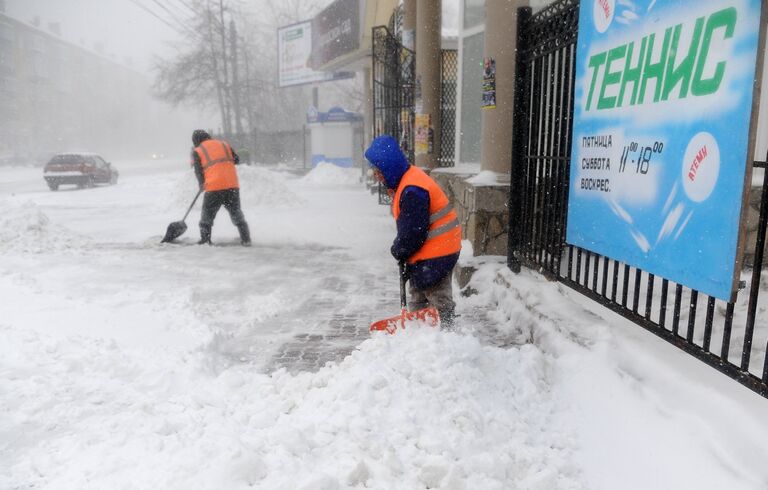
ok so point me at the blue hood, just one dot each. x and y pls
(385, 154)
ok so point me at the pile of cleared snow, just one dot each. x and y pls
(421, 409)
(329, 174)
(182, 192)
(262, 187)
(258, 187)
(25, 228)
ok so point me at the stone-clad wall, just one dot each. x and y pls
(753, 215)
(482, 211)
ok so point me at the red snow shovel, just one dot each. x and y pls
(177, 228)
(428, 315)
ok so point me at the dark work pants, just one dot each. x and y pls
(212, 202)
(440, 296)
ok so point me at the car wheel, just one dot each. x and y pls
(53, 187)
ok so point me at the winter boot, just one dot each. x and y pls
(205, 235)
(245, 234)
(447, 319)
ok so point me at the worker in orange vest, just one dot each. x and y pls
(428, 231)
(214, 163)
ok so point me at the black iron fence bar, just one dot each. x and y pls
(749, 380)
(536, 139)
(708, 323)
(636, 291)
(516, 199)
(765, 366)
(549, 124)
(530, 165)
(676, 314)
(663, 306)
(649, 297)
(578, 265)
(625, 286)
(756, 269)
(727, 332)
(555, 149)
(595, 271)
(692, 315)
(550, 170)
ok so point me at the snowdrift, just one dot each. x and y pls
(329, 174)
(25, 228)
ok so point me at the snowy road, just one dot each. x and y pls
(130, 364)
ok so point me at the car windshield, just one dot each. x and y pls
(67, 159)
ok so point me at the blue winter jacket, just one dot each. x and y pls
(413, 222)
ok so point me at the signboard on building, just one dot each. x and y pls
(661, 135)
(335, 31)
(294, 47)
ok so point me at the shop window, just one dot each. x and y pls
(474, 13)
(471, 97)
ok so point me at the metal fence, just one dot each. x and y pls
(449, 90)
(393, 90)
(722, 334)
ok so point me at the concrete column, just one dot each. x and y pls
(500, 44)
(428, 73)
(409, 24)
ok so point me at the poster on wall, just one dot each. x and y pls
(294, 47)
(489, 83)
(421, 134)
(661, 135)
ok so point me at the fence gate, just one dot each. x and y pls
(393, 89)
(721, 334)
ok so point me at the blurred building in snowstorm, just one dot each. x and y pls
(56, 96)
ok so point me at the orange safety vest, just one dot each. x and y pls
(218, 164)
(444, 234)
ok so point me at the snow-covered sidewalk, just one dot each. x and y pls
(129, 364)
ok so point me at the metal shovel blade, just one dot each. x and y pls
(174, 231)
(426, 316)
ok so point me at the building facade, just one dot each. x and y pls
(56, 96)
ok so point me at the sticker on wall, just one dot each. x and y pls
(422, 128)
(489, 83)
(418, 101)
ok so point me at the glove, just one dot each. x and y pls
(396, 253)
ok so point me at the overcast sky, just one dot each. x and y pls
(131, 29)
(122, 27)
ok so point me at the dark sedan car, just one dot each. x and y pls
(80, 169)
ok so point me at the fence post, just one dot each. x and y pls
(757, 268)
(518, 144)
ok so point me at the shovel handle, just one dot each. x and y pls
(191, 205)
(403, 304)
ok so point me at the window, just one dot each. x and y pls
(6, 45)
(474, 13)
(471, 96)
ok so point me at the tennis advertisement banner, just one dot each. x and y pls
(661, 135)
